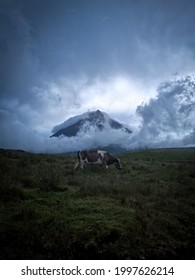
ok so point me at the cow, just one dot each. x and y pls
(96, 157)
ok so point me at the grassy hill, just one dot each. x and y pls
(144, 211)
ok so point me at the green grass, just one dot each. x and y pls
(144, 211)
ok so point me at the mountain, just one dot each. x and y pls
(95, 120)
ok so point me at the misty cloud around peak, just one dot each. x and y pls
(168, 120)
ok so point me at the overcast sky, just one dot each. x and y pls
(61, 58)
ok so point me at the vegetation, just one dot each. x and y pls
(144, 211)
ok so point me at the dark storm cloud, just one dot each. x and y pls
(59, 38)
(105, 37)
(100, 37)
(18, 64)
(50, 51)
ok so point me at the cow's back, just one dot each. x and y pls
(89, 156)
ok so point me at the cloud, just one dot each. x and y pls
(117, 94)
(68, 97)
(169, 119)
(18, 68)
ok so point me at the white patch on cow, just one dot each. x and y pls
(102, 153)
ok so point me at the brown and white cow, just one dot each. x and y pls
(96, 157)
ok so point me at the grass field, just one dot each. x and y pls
(144, 211)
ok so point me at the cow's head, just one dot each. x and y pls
(118, 164)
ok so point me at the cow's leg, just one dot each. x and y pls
(79, 163)
(76, 165)
(104, 165)
(82, 164)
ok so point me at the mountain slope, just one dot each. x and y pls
(96, 121)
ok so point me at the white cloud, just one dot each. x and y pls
(57, 101)
(117, 96)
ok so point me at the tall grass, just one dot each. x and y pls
(144, 211)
